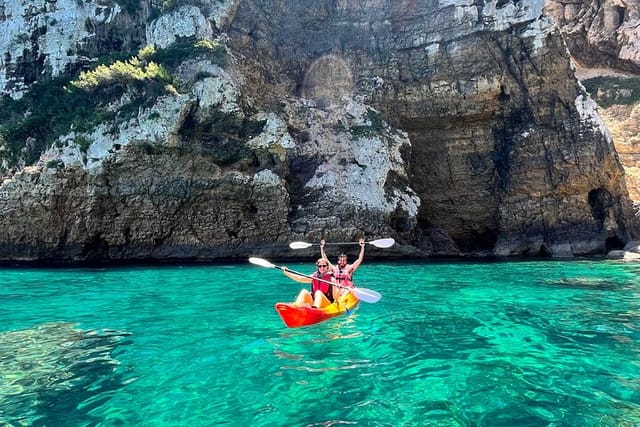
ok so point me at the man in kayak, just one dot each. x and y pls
(324, 293)
(342, 271)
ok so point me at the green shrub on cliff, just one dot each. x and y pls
(150, 64)
(122, 73)
(131, 6)
(30, 124)
(181, 51)
(54, 107)
(610, 90)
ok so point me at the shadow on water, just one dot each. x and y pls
(55, 374)
(589, 283)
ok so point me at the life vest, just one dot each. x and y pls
(343, 278)
(325, 288)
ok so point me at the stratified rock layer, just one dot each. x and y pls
(604, 38)
(508, 154)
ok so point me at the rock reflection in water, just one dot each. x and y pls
(47, 372)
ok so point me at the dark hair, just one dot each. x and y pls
(342, 255)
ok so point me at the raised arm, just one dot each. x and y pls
(357, 262)
(324, 255)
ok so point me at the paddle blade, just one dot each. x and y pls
(300, 245)
(261, 262)
(366, 295)
(383, 243)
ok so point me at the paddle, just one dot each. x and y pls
(363, 294)
(380, 243)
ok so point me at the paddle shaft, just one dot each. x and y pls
(344, 243)
(311, 277)
(366, 295)
(379, 243)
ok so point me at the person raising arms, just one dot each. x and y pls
(342, 271)
(322, 293)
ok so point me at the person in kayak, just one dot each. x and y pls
(343, 271)
(322, 293)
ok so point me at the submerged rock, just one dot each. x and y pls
(54, 364)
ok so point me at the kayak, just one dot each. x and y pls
(295, 316)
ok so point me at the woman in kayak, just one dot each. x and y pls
(342, 271)
(324, 293)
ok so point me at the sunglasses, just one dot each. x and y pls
(322, 265)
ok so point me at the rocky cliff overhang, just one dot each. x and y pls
(455, 127)
(600, 33)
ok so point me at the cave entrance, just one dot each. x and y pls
(600, 202)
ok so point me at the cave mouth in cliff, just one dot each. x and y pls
(478, 241)
(599, 199)
(614, 243)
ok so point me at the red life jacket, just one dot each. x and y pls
(343, 278)
(325, 288)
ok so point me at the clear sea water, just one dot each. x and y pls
(449, 344)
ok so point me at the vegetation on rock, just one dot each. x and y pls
(609, 90)
(54, 107)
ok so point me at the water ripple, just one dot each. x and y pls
(482, 344)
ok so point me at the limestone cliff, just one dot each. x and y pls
(454, 127)
(604, 39)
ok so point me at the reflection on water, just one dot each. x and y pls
(50, 371)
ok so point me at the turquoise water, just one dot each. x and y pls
(518, 343)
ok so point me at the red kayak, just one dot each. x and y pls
(295, 316)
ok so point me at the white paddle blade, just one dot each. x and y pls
(261, 262)
(383, 243)
(300, 245)
(366, 295)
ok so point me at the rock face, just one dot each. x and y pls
(43, 38)
(604, 39)
(508, 154)
(455, 127)
(600, 33)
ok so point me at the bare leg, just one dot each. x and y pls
(304, 298)
(320, 300)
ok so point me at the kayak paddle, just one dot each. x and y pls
(380, 243)
(363, 294)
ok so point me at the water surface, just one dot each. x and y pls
(509, 343)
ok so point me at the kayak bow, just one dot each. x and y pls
(295, 316)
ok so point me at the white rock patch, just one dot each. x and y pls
(274, 133)
(187, 21)
(64, 21)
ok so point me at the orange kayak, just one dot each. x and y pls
(295, 316)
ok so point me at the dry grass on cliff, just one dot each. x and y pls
(623, 122)
(618, 96)
(619, 100)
